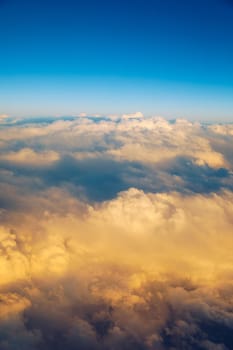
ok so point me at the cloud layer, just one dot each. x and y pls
(116, 233)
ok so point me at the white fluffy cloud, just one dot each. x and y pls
(3, 117)
(222, 129)
(29, 157)
(133, 138)
(132, 116)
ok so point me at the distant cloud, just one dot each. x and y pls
(132, 115)
(222, 129)
(3, 117)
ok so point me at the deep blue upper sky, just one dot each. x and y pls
(169, 57)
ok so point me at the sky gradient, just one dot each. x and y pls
(169, 58)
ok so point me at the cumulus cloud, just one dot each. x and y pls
(29, 157)
(82, 114)
(142, 270)
(132, 115)
(116, 233)
(222, 129)
(3, 117)
(133, 137)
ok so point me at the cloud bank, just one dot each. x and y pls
(116, 233)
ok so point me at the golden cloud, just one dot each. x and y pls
(147, 270)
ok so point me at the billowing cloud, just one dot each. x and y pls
(27, 156)
(115, 234)
(133, 138)
(3, 117)
(222, 129)
(132, 115)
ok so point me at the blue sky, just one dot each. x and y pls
(163, 57)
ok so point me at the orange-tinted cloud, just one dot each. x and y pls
(144, 269)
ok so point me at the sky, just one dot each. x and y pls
(160, 57)
(116, 175)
